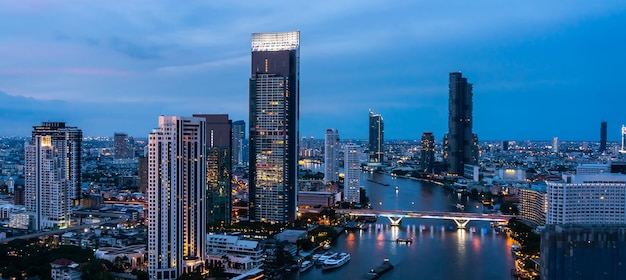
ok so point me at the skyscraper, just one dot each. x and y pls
(274, 115)
(52, 174)
(331, 147)
(218, 167)
(602, 137)
(121, 146)
(428, 152)
(352, 171)
(239, 134)
(176, 197)
(623, 150)
(376, 138)
(555, 144)
(461, 145)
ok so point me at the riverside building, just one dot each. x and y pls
(460, 144)
(352, 170)
(331, 148)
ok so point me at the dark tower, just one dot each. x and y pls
(602, 137)
(376, 138)
(428, 152)
(460, 144)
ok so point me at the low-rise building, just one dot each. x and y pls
(134, 255)
(237, 254)
(64, 269)
(317, 199)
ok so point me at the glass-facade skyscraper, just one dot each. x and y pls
(428, 152)
(274, 115)
(376, 138)
(239, 134)
(460, 144)
(331, 155)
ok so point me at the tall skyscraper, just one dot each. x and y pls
(176, 197)
(218, 167)
(602, 137)
(376, 138)
(428, 152)
(274, 116)
(623, 150)
(53, 174)
(239, 134)
(352, 171)
(555, 144)
(331, 148)
(461, 145)
(121, 146)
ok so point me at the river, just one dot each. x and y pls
(438, 251)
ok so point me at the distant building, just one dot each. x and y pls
(317, 199)
(623, 150)
(176, 197)
(122, 149)
(555, 144)
(460, 144)
(376, 138)
(274, 118)
(237, 254)
(239, 135)
(505, 145)
(352, 171)
(133, 255)
(533, 204)
(428, 152)
(52, 174)
(64, 269)
(18, 192)
(587, 198)
(219, 167)
(142, 170)
(331, 156)
(602, 137)
(583, 252)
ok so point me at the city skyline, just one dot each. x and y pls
(125, 65)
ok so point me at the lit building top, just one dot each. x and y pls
(278, 41)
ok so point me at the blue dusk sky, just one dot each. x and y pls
(540, 69)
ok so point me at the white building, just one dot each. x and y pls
(352, 171)
(555, 144)
(134, 255)
(533, 204)
(587, 199)
(331, 156)
(64, 269)
(52, 174)
(176, 196)
(238, 255)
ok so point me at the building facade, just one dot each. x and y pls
(460, 143)
(52, 174)
(274, 116)
(176, 197)
(376, 138)
(218, 167)
(352, 171)
(239, 135)
(533, 205)
(331, 156)
(121, 146)
(427, 164)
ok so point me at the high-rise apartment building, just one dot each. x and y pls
(428, 152)
(623, 150)
(352, 173)
(602, 137)
(588, 197)
(555, 144)
(274, 116)
(331, 156)
(376, 138)
(176, 197)
(52, 174)
(218, 167)
(121, 146)
(460, 143)
(239, 134)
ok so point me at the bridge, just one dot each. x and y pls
(461, 219)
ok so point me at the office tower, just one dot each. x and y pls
(176, 197)
(460, 144)
(352, 171)
(602, 137)
(239, 134)
(121, 146)
(533, 204)
(376, 138)
(555, 144)
(591, 196)
(428, 152)
(583, 252)
(218, 167)
(331, 155)
(623, 150)
(52, 174)
(19, 193)
(142, 171)
(274, 115)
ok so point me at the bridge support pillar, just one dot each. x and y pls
(461, 223)
(395, 221)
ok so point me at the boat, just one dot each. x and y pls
(336, 261)
(326, 246)
(378, 271)
(515, 248)
(324, 257)
(306, 265)
(460, 206)
(404, 240)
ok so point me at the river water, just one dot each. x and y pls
(438, 251)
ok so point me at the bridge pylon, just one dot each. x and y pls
(461, 222)
(395, 220)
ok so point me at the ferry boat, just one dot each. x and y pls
(336, 261)
(378, 271)
(323, 257)
(306, 265)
